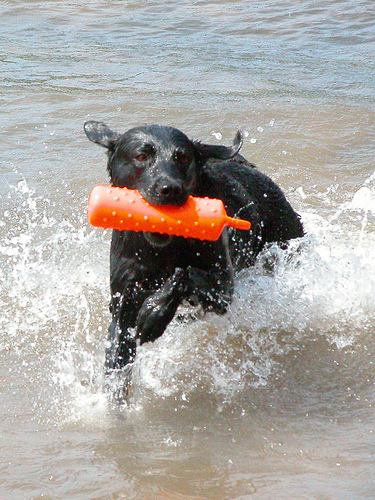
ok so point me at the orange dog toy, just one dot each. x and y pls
(125, 209)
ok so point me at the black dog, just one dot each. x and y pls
(152, 274)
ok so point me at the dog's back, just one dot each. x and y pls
(249, 194)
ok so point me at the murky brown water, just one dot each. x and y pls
(276, 399)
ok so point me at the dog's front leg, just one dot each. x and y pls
(121, 346)
(158, 310)
(121, 343)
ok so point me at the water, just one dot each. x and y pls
(273, 400)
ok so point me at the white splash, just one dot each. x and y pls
(54, 297)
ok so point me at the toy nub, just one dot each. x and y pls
(126, 210)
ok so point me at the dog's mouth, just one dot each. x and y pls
(157, 239)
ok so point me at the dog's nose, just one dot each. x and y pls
(170, 191)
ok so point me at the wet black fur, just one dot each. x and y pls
(151, 275)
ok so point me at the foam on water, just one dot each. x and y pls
(319, 291)
(54, 297)
(321, 287)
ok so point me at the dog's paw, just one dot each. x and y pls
(158, 309)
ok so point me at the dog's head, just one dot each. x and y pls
(160, 162)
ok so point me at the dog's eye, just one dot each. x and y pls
(142, 157)
(182, 158)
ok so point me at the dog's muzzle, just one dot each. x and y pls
(166, 191)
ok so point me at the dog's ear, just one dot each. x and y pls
(99, 133)
(206, 151)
